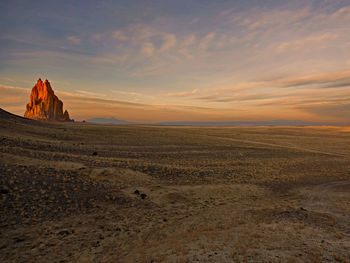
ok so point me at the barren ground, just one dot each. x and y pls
(255, 194)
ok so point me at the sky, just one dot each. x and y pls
(194, 60)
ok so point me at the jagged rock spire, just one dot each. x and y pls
(44, 104)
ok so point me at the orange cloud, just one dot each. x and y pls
(183, 94)
(118, 34)
(74, 39)
(327, 78)
(169, 42)
(147, 49)
(301, 43)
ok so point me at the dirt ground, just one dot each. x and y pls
(80, 192)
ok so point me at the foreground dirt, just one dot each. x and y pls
(104, 193)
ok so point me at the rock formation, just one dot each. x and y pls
(44, 104)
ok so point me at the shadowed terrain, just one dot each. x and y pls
(78, 192)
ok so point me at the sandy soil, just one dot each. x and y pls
(106, 193)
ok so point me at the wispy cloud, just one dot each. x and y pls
(188, 40)
(118, 34)
(183, 94)
(326, 80)
(14, 99)
(74, 39)
(302, 43)
(333, 110)
(342, 13)
(205, 41)
(89, 93)
(169, 41)
(147, 49)
(148, 73)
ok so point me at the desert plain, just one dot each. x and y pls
(82, 192)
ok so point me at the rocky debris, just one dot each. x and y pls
(4, 190)
(44, 105)
(31, 195)
(94, 153)
(18, 239)
(137, 192)
(64, 233)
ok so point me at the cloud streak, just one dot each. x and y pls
(183, 94)
(302, 43)
(74, 39)
(326, 80)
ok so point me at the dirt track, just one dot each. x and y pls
(332, 198)
(280, 146)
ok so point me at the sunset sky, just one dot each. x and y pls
(150, 61)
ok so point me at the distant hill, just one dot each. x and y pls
(13, 121)
(108, 121)
(246, 123)
(7, 118)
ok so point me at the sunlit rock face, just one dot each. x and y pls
(44, 104)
